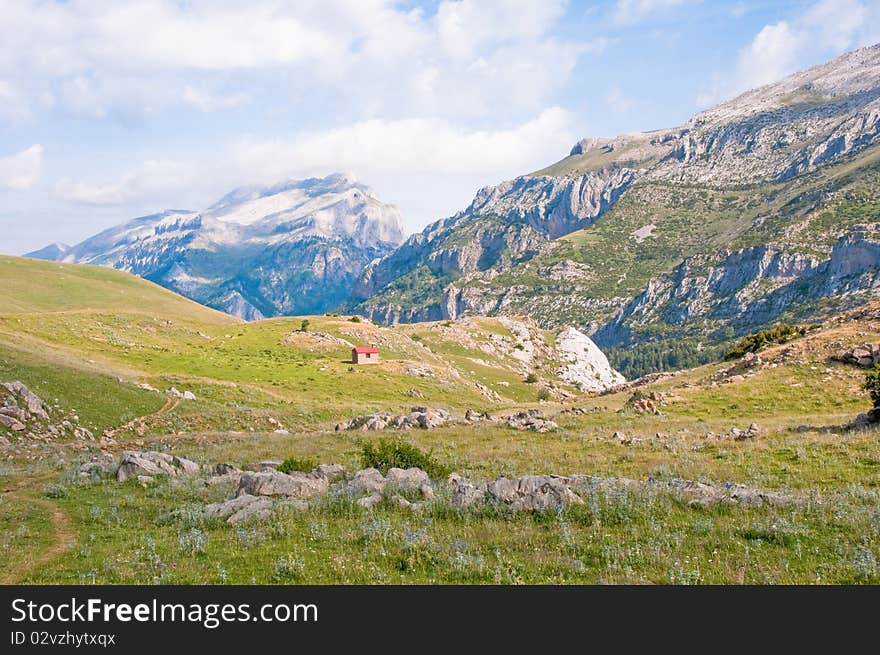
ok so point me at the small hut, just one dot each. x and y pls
(365, 355)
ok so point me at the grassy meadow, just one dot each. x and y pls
(84, 338)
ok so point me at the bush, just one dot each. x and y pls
(304, 464)
(304, 326)
(544, 393)
(872, 384)
(385, 454)
(531, 378)
(751, 343)
(355, 319)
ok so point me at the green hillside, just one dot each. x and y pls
(86, 358)
(32, 285)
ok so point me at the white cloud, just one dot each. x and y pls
(410, 147)
(152, 181)
(826, 29)
(208, 102)
(14, 105)
(468, 58)
(430, 168)
(627, 12)
(618, 101)
(21, 171)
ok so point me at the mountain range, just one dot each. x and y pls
(665, 245)
(287, 249)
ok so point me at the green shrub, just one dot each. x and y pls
(751, 343)
(544, 393)
(872, 384)
(304, 326)
(355, 319)
(531, 378)
(304, 464)
(385, 454)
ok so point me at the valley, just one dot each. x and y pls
(682, 487)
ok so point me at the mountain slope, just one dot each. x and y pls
(292, 248)
(755, 203)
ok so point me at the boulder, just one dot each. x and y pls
(275, 483)
(132, 464)
(229, 507)
(531, 421)
(474, 416)
(369, 481)
(430, 419)
(225, 469)
(330, 472)
(34, 404)
(465, 493)
(185, 465)
(13, 424)
(370, 501)
(411, 479)
(533, 492)
(259, 510)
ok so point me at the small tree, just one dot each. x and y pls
(531, 378)
(872, 384)
(304, 326)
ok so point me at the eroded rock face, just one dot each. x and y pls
(275, 483)
(586, 367)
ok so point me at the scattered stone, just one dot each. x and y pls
(186, 465)
(419, 417)
(35, 405)
(133, 464)
(329, 472)
(465, 493)
(268, 465)
(645, 403)
(411, 479)
(865, 355)
(275, 483)
(11, 423)
(369, 481)
(531, 420)
(147, 387)
(475, 416)
(185, 395)
(370, 501)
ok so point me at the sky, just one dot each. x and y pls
(114, 110)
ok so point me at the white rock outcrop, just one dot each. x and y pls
(585, 365)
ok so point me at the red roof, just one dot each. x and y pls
(363, 350)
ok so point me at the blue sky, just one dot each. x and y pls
(113, 110)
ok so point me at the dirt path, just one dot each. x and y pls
(27, 490)
(170, 404)
(62, 526)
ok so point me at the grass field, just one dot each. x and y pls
(87, 350)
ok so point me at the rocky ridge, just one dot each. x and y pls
(290, 248)
(761, 177)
